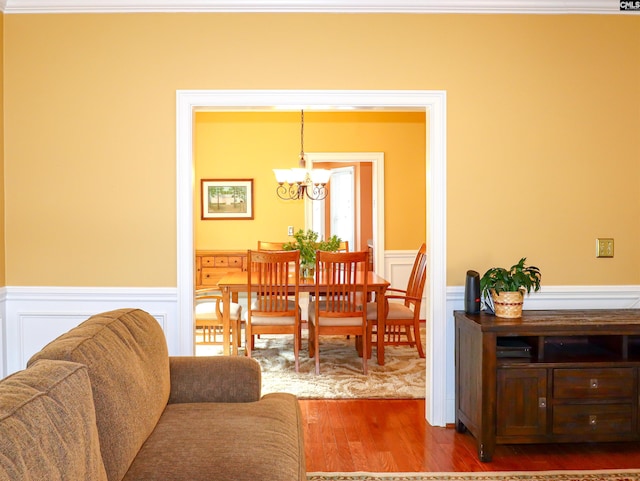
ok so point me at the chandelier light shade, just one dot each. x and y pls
(294, 184)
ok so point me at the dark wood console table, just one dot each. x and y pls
(549, 376)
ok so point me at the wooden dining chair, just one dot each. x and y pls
(270, 246)
(208, 317)
(344, 246)
(273, 285)
(337, 307)
(402, 319)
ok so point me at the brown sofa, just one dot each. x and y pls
(106, 402)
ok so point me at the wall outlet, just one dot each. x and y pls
(604, 247)
(290, 230)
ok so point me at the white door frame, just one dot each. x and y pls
(434, 104)
(377, 194)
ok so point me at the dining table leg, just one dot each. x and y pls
(227, 348)
(380, 325)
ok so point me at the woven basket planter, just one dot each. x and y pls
(508, 304)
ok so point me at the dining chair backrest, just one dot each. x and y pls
(418, 277)
(270, 246)
(338, 307)
(272, 275)
(341, 280)
(344, 246)
(272, 278)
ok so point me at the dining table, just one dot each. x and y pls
(235, 282)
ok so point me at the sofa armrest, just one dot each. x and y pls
(214, 379)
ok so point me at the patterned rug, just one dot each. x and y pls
(402, 376)
(605, 475)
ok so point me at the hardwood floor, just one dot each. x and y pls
(392, 435)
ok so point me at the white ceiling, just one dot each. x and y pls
(336, 6)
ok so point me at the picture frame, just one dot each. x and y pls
(226, 199)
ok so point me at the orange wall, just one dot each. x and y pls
(250, 145)
(541, 148)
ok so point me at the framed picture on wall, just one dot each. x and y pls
(226, 199)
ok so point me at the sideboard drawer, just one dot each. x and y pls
(221, 261)
(235, 261)
(207, 261)
(211, 276)
(606, 383)
(577, 419)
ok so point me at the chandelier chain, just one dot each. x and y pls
(294, 184)
(303, 162)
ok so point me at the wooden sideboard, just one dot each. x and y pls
(549, 376)
(211, 266)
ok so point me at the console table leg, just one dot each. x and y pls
(485, 454)
(460, 427)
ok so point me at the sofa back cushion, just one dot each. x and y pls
(126, 353)
(48, 425)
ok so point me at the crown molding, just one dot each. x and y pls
(312, 6)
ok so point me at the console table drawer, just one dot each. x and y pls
(606, 383)
(577, 419)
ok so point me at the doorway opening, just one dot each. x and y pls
(376, 159)
(431, 102)
(342, 208)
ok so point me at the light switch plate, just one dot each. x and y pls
(604, 247)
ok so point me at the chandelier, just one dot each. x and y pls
(294, 184)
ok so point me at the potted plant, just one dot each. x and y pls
(506, 287)
(307, 243)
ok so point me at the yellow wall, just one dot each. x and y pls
(250, 145)
(541, 118)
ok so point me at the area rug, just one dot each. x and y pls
(402, 376)
(604, 475)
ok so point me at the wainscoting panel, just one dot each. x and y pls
(34, 316)
(30, 317)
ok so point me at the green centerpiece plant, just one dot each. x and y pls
(307, 243)
(506, 287)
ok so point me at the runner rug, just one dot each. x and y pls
(605, 475)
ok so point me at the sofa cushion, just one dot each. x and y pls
(126, 353)
(249, 441)
(48, 425)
